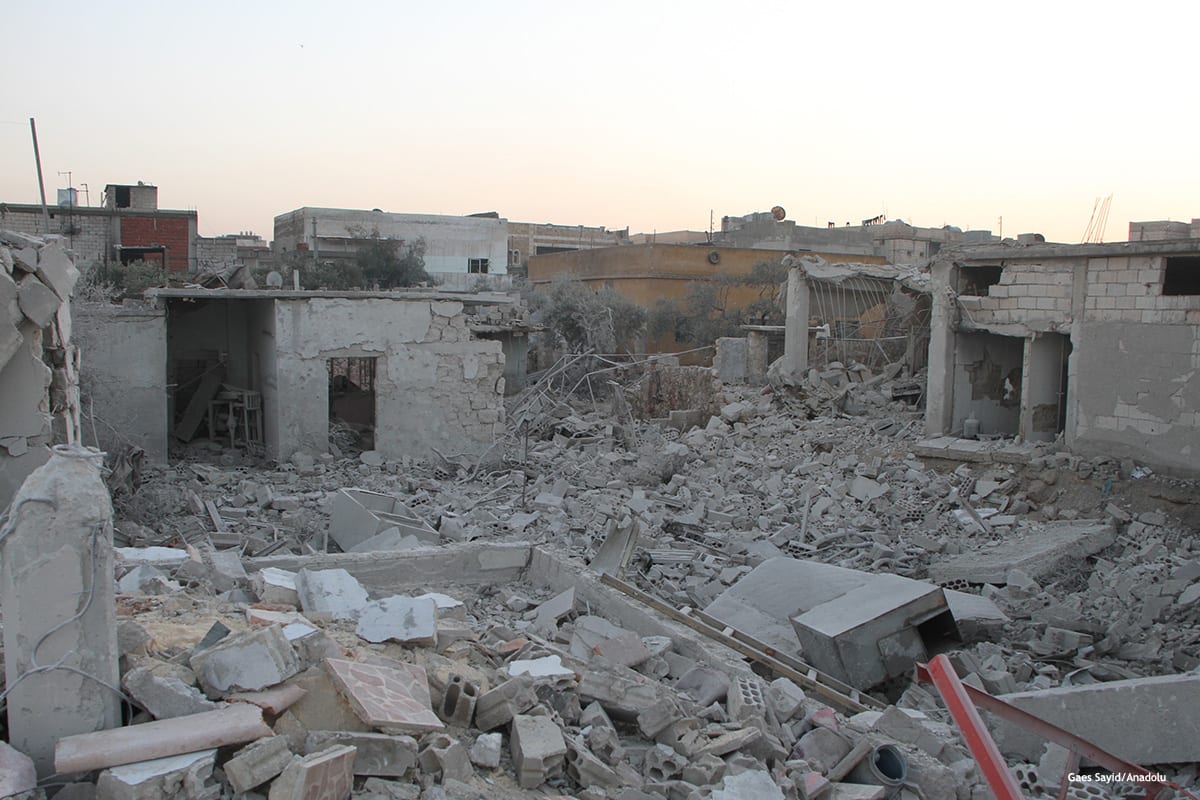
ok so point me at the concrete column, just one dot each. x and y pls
(56, 569)
(756, 358)
(939, 383)
(795, 341)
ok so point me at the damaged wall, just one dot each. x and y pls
(1133, 352)
(436, 387)
(122, 376)
(39, 391)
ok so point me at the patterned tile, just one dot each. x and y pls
(391, 696)
(327, 775)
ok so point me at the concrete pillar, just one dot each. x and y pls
(939, 381)
(795, 341)
(56, 569)
(756, 358)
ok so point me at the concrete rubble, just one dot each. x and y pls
(372, 628)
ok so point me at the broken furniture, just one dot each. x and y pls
(859, 627)
(357, 515)
(240, 412)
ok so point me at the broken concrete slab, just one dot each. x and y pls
(88, 751)
(1155, 726)
(376, 753)
(17, 773)
(1037, 552)
(187, 775)
(276, 586)
(257, 763)
(38, 302)
(407, 620)
(330, 594)
(357, 515)
(164, 696)
(246, 662)
(746, 785)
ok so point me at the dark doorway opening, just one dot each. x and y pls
(352, 403)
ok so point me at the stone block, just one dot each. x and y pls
(56, 269)
(537, 748)
(406, 620)
(257, 763)
(753, 785)
(622, 692)
(458, 701)
(704, 770)
(17, 773)
(587, 770)
(704, 685)
(38, 303)
(276, 586)
(785, 698)
(498, 706)
(184, 776)
(164, 696)
(485, 752)
(445, 757)
(822, 746)
(330, 594)
(376, 753)
(327, 775)
(662, 763)
(246, 662)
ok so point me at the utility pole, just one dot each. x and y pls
(314, 227)
(37, 157)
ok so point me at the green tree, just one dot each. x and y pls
(603, 321)
(389, 263)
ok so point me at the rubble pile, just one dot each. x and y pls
(258, 661)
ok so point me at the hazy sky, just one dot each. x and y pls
(638, 114)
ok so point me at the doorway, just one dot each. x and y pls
(352, 403)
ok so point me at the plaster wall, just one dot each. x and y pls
(123, 376)
(987, 382)
(436, 387)
(450, 242)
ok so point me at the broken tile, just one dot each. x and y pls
(393, 698)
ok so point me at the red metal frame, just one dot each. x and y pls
(962, 701)
(940, 672)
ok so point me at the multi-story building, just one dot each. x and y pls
(127, 226)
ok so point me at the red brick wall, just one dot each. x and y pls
(152, 231)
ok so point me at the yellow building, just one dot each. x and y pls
(646, 273)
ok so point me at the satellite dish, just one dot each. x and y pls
(778, 213)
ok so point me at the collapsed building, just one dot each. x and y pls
(574, 592)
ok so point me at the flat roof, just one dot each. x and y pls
(1012, 250)
(470, 298)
